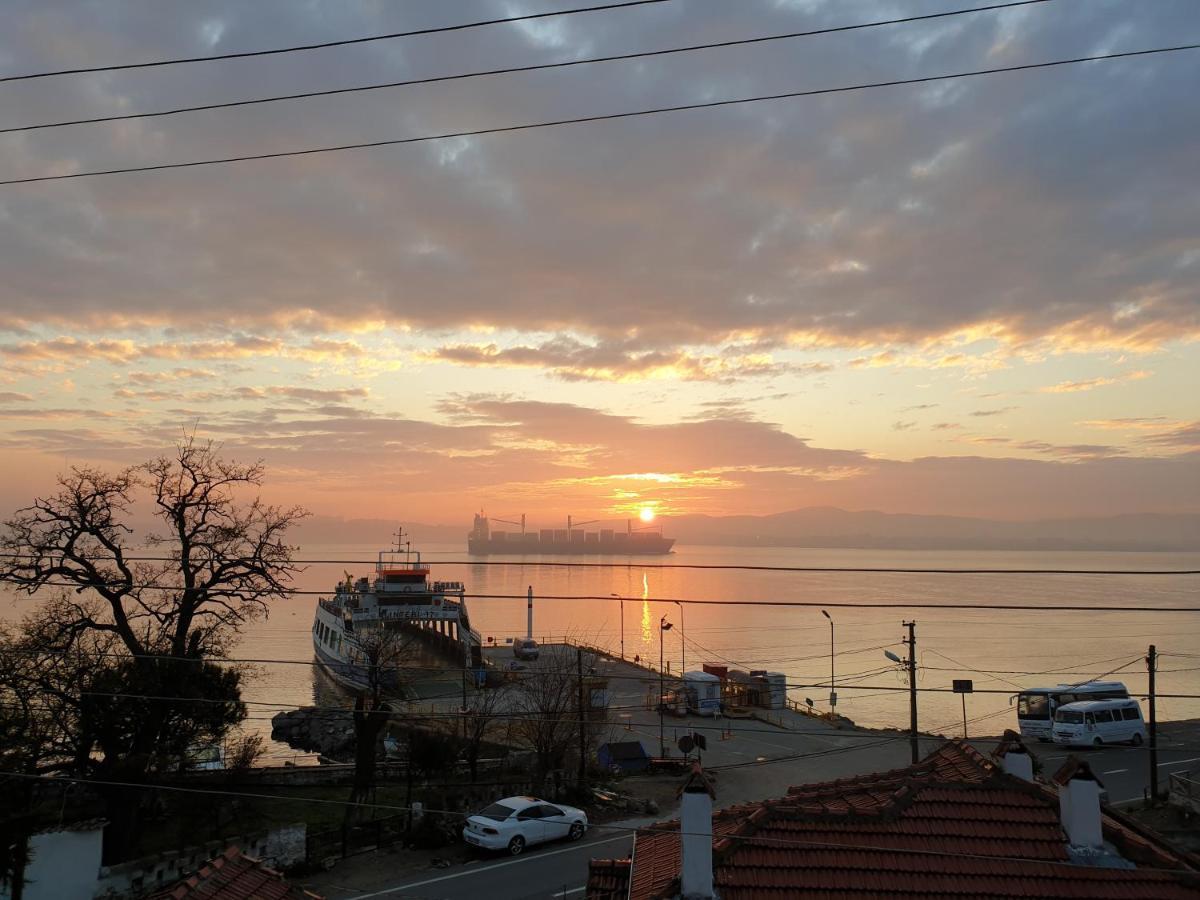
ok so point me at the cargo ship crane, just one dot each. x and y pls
(511, 522)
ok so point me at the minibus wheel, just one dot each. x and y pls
(1097, 743)
(1137, 739)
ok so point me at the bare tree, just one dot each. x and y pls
(222, 561)
(381, 653)
(480, 717)
(547, 714)
(146, 621)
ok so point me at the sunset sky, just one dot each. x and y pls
(973, 297)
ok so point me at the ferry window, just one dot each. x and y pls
(1130, 712)
(1104, 715)
(1033, 706)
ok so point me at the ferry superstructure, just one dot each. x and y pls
(400, 596)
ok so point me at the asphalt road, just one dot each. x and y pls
(553, 870)
(1125, 771)
(811, 751)
(560, 870)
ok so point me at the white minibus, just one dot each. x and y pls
(1098, 722)
(1036, 706)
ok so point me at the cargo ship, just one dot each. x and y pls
(573, 539)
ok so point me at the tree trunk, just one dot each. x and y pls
(368, 724)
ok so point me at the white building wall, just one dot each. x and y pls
(65, 866)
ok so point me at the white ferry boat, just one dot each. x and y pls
(400, 596)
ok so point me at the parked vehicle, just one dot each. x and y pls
(515, 823)
(1036, 706)
(1098, 722)
(704, 693)
(526, 648)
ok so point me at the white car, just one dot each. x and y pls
(515, 823)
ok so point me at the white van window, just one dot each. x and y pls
(1103, 715)
(1033, 706)
(1130, 712)
(1069, 716)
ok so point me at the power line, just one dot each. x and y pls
(629, 829)
(648, 678)
(463, 26)
(602, 117)
(305, 95)
(635, 564)
(803, 604)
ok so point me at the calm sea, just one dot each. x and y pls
(999, 650)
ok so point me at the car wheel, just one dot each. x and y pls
(576, 831)
(1137, 739)
(1097, 743)
(516, 846)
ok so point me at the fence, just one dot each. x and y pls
(323, 848)
(1185, 790)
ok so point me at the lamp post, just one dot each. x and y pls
(663, 627)
(682, 642)
(832, 687)
(621, 604)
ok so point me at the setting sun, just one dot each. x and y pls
(647, 514)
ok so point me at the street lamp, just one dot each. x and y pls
(663, 627)
(832, 690)
(621, 604)
(682, 641)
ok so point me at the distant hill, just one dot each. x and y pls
(829, 527)
(868, 529)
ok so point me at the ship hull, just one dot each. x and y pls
(649, 546)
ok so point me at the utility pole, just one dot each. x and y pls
(621, 603)
(911, 640)
(663, 625)
(1151, 668)
(832, 683)
(582, 721)
(682, 641)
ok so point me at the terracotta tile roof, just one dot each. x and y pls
(954, 825)
(608, 879)
(232, 876)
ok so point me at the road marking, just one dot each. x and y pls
(1114, 771)
(1179, 762)
(570, 892)
(499, 865)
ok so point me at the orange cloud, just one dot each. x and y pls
(573, 360)
(1070, 387)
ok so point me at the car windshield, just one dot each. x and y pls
(1033, 706)
(497, 812)
(1070, 716)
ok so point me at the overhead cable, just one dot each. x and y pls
(510, 70)
(442, 29)
(600, 117)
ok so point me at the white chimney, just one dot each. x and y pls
(695, 825)
(1079, 809)
(1017, 761)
